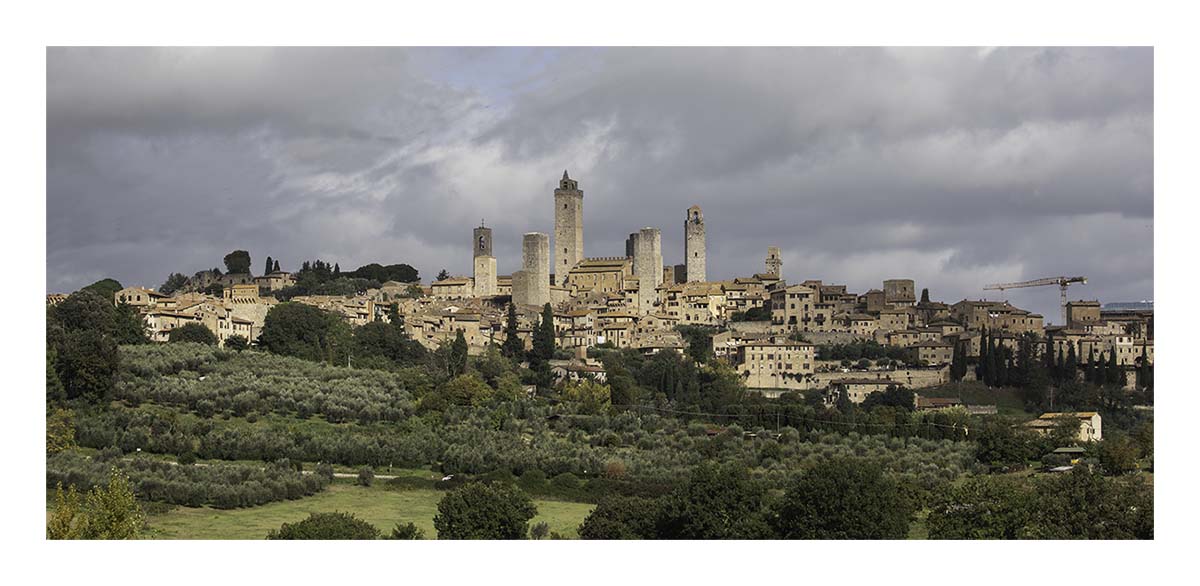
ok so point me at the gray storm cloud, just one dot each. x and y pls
(956, 167)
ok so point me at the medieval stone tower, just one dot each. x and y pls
(568, 227)
(693, 244)
(647, 265)
(774, 262)
(485, 263)
(531, 284)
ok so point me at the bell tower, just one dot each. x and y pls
(567, 250)
(693, 245)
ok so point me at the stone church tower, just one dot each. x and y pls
(568, 227)
(693, 244)
(485, 263)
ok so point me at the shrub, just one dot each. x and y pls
(484, 511)
(365, 476)
(326, 526)
(539, 530)
(195, 333)
(406, 531)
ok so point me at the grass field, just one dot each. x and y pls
(377, 505)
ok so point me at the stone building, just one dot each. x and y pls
(1081, 314)
(568, 227)
(531, 284)
(899, 292)
(603, 274)
(693, 245)
(776, 365)
(647, 266)
(774, 262)
(485, 262)
(138, 297)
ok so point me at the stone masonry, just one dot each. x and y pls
(774, 262)
(531, 285)
(568, 227)
(693, 245)
(485, 263)
(647, 265)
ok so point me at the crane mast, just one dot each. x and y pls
(1062, 282)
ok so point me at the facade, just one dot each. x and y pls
(568, 226)
(531, 285)
(899, 292)
(774, 262)
(647, 266)
(776, 365)
(604, 274)
(857, 389)
(693, 245)
(484, 271)
(138, 297)
(1081, 314)
(1089, 424)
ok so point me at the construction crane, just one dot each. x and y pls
(1062, 283)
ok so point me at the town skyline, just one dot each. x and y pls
(957, 194)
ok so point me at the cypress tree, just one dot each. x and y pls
(1089, 373)
(1072, 364)
(981, 370)
(992, 368)
(512, 347)
(270, 265)
(1115, 372)
(458, 355)
(1060, 368)
(1143, 368)
(276, 265)
(337, 271)
(958, 364)
(1101, 375)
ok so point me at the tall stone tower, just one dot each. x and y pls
(568, 227)
(774, 262)
(531, 284)
(693, 244)
(647, 266)
(485, 263)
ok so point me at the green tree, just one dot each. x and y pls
(999, 444)
(81, 331)
(1118, 454)
(60, 430)
(55, 393)
(334, 525)
(590, 397)
(237, 262)
(1071, 366)
(512, 348)
(197, 333)
(981, 507)
(458, 355)
(106, 289)
(1083, 505)
(388, 341)
(237, 343)
(620, 517)
(844, 498)
(276, 267)
(105, 512)
(464, 390)
(484, 511)
(269, 267)
(129, 327)
(304, 331)
(1114, 373)
(716, 502)
(174, 282)
(406, 531)
(443, 275)
(543, 348)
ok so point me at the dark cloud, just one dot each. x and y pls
(956, 167)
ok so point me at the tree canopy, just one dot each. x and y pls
(327, 526)
(484, 511)
(194, 332)
(237, 262)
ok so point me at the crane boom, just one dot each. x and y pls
(1062, 283)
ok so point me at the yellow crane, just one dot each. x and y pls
(1062, 283)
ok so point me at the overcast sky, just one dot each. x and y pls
(953, 167)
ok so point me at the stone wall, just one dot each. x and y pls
(647, 266)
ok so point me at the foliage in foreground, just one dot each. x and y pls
(326, 526)
(1076, 505)
(484, 511)
(221, 485)
(109, 511)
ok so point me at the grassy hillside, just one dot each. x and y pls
(379, 505)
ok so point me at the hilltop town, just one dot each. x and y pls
(780, 336)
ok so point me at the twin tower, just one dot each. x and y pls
(531, 284)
